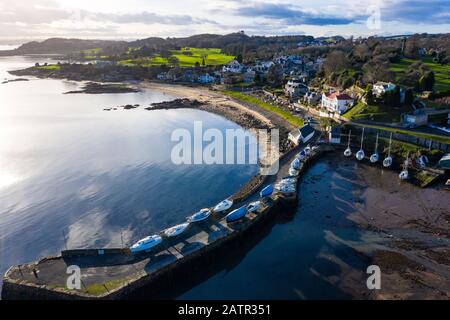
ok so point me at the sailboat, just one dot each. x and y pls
(360, 153)
(387, 162)
(348, 151)
(374, 157)
(404, 173)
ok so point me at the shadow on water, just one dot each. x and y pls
(302, 253)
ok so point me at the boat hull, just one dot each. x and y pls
(236, 214)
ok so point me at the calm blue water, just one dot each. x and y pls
(68, 167)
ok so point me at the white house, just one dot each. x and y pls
(336, 102)
(380, 88)
(301, 135)
(233, 66)
(249, 76)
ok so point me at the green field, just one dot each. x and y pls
(441, 72)
(296, 121)
(213, 57)
(380, 113)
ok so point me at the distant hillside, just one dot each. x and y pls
(60, 46)
(231, 43)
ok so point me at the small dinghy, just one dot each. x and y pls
(200, 216)
(348, 151)
(374, 157)
(175, 230)
(404, 173)
(236, 214)
(253, 206)
(360, 154)
(307, 150)
(146, 243)
(266, 191)
(387, 162)
(223, 205)
(295, 164)
(301, 155)
(293, 172)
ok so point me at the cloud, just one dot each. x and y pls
(416, 12)
(290, 15)
(152, 18)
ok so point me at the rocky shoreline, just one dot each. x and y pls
(98, 88)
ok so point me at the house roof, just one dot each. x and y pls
(338, 95)
(306, 130)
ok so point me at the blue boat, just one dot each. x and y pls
(236, 214)
(266, 191)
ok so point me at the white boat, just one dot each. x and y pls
(293, 172)
(200, 216)
(307, 150)
(223, 205)
(387, 162)
(360, 153)
(348, 151)
(175, 230)
(295, 164)
(404, 173)
(374, 157)
(253, 206)
(146, 244)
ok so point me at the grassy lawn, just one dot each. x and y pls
(49, 67)
(213, 57)
(380, 113)
(296, 121)
(442, 139)
(441, 72)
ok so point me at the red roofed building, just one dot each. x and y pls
(336, 102)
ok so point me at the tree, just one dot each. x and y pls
(336, 61)
(239, 58)
(197, 64)
(275, 74)
(426, 81)
(173, 60)
(369, 94)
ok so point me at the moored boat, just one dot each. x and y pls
(348, 151)
(374, 157)
(387, 162)
(295, 164)
(200, 216)
(360, 154)
(236, 214)
(253, 206)
(146, 243)
(175, 230)
(223, 205)
(266, 191)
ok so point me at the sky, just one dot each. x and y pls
(24, 20)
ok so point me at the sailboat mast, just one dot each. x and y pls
(376, 144)
(362, 138)
(390, 141)
(349, 134)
